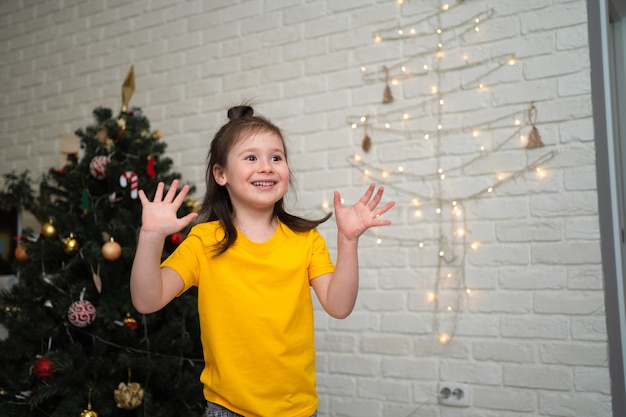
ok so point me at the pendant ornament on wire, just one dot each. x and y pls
(534, 138)
(387, 96)
(366, 144)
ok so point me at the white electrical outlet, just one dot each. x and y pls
(454, 394)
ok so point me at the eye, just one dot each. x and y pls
(277, 158)
(250, 158)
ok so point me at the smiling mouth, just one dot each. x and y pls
(263, 183)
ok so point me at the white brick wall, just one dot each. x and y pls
(530, 338)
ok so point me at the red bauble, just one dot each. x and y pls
(42, 369)
(81, 313)
(20, 253)
(176, 238)
(98, 166)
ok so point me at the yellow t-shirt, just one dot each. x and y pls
(256, 317)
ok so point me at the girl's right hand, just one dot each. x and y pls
(158, 217)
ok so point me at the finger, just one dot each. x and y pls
(169, 197)
(142, 197)
(377, 197)
(368, 194)
(383, 209)
(337, 201)
(158, 194)
(181, 196)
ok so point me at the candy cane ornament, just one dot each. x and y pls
(129, 177)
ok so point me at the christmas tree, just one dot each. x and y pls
(75, 345)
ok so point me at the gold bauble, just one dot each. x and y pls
(20, 253)
(48, 229)
(88, 413)
(70, 244)
(111, 250)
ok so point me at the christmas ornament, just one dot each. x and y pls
(116, 196)
(98, 166)
(84, 202)
(97, 281)
(88, 412)
(387, 96)
(193, 205)
(20, 252)
(81, 313)
(130, 178)
(128, 88)
(111, 251)
(42, 369)
(534, 138)
(121, 124)
(128, 396)
(156, 135)
(130, 322)
(70, 244)
(150, 167)
(48, 229)
(176, 238)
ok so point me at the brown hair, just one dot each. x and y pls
(216, 204)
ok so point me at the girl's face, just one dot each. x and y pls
(256, 174)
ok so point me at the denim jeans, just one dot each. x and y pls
(216, 410)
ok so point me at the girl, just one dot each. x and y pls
(253, 264)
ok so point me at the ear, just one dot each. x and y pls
(219, 175)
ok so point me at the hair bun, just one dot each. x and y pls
(239, 112)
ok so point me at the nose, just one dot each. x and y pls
(265, 166)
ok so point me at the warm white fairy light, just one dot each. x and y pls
(449, 252)
(540, 173)
(356, 157)
(354, 125)
(379, 241)
(363, 119)
(378, 39)
(431, 296)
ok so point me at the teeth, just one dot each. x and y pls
(263, 184)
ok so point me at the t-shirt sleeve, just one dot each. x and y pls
(320, 257)
(185, 261)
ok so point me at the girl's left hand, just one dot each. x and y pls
(354, 221)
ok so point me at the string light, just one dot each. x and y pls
(451, 252)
